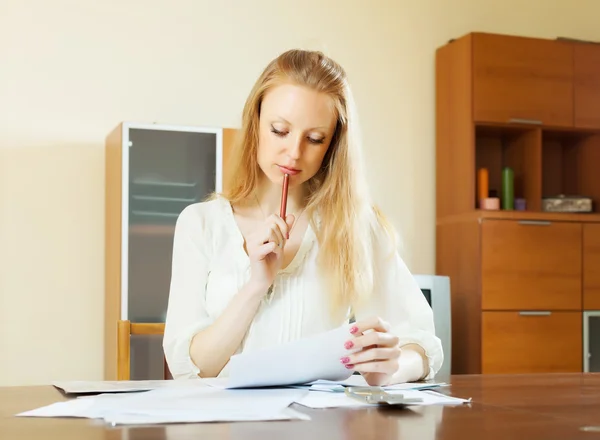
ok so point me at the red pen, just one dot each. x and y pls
(284, 194)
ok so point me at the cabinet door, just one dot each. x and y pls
(591, 266)
(168, 170)
(522, 79)
(587, 85)
(531, 342)
(531, 265)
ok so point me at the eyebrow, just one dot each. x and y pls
(282, 119)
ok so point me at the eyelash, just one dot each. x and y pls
(311, 140)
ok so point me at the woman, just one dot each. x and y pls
(243, 278)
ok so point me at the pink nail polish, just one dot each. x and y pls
(353, 329)
(345, 360)
(349, 366)
(349, 344)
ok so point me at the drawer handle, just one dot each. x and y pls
(525, 121)
(544, 313)
(535, 222)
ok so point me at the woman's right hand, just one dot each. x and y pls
(265, 249)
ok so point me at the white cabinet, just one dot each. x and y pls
(152, 173)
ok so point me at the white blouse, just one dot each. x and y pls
(210, 266)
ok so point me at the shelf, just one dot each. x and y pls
(516, 147)
(152, 229)
(540, 215)
(477, 214)
(570, 164)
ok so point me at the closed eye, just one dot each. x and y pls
(283, 134)
(277, 132)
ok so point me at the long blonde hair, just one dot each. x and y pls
(338, 192)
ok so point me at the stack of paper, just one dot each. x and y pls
(180, 405)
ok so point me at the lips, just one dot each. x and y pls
(290, 171)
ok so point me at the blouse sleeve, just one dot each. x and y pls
(398, 300)
(186, 310)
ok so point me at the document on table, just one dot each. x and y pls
(116, 386)
(299, 362)
(180, 405)
(336, 400)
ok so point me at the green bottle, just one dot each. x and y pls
(508, 188)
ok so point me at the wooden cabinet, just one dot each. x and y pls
(591, 266)
(530, 265)
(586, 65)
(520, 279)
(522, 79)
(531, 342)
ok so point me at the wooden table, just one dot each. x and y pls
(549, 406)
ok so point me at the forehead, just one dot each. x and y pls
(304, 108)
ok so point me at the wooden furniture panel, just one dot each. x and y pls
(531, 265)
(531, 342)
(586, 77)
(522, 79)
(112, 255)
(591, 266)
(458, 258)
(454, 134)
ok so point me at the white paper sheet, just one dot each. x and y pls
(298, 362)
(336, 400)
(355, 380)
(116, 386)
(180, 405)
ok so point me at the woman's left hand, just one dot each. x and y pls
(378, 354)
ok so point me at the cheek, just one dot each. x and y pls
(265, 146)
(315, 158)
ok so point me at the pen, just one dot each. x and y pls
(284, 194)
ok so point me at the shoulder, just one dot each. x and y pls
(201, 216)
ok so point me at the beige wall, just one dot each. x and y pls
(71, 71)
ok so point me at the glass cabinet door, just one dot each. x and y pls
(168, 170)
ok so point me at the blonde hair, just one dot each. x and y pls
(338, 192)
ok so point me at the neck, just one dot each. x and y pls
(269, 197)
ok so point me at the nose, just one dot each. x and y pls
(294, 148)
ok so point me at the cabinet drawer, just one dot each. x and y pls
(591, 266)
(531, 265)
(522, 78)
(531, 342)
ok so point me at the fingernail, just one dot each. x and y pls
(353, 329)
(349, 344)
(349, 366)
(345, 360)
